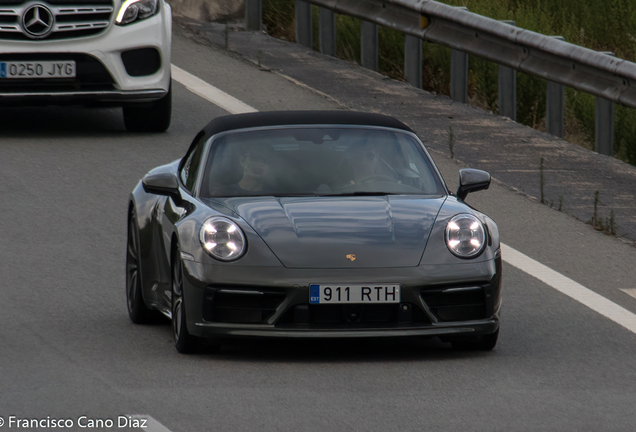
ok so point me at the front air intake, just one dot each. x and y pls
(240, 306)
(141, 62)
(456, 304)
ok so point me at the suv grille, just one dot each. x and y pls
(57, 19)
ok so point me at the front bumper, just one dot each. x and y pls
(451, 329)
(100, 54)
(435, 301)
(80, 97)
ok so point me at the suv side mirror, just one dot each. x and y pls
(472, 180)
(162, 184)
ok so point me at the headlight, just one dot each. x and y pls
(465, 236)
(135, 10)
(222, 239)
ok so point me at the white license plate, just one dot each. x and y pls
(37, 69)
(367, 293)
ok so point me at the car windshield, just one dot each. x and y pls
(318, 161)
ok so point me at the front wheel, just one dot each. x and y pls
(155, 117)
(184, 342)
(137, 309)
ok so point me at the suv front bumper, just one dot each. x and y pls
(105, 48)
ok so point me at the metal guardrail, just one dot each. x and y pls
(561, 63)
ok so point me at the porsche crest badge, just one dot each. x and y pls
(351, 257)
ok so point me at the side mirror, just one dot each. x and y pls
(472, 180)
(162, 184)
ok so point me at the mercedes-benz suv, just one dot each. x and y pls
(89, 52)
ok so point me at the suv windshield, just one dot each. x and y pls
(318, 161)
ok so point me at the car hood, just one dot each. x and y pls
(341, 232)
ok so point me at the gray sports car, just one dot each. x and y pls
(312, 224)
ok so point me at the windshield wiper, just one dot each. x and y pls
(363, 193)
(295, 194)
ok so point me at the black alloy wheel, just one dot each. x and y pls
(137, 309)
(153, 117)
(184, 342)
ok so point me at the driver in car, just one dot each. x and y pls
(257, 173)
(367, 165)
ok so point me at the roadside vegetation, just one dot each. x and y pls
(603, 26)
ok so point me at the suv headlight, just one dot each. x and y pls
(136, 10)
(222, 239)
(465, 236)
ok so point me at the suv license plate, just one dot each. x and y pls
(354, 294)
(38, 69)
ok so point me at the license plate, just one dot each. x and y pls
(367, 293)
(37, 69)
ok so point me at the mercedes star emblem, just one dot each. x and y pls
(37, 21)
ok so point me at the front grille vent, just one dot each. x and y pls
(69, 21)
(456, 304)
(240, 306)
(345, 316)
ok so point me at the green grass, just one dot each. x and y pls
(608, 25)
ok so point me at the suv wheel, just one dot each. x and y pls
(153, 118)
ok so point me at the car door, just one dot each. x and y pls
(172, 212)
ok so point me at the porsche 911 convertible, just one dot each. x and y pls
(312, 224)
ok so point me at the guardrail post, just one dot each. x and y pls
(413, 60)
(604, 126)
(253, 15)
(369, 45)
(555, 109)
(508, 92)
(459, 73)
(459, 76)
(507, 89)
(604, 130)
(555, 106)
(327, 26)
(304, 31)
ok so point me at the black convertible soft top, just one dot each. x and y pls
(282, 118)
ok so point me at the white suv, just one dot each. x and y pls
(89, 52)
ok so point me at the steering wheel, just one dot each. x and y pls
(376, 177)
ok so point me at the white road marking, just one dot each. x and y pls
(556, 280)
(209, 92)
(629, 291)
(567, 286)
(152, 425)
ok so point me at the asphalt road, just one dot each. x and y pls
(67, 348)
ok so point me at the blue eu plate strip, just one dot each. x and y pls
(3, 70)
(314, 294)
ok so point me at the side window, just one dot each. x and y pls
(190, 170)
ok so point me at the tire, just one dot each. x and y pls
(477, 343)
(184, 342)
(153, 118)
(137, 309)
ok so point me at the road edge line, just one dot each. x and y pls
(570, 288)
(208, 92)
